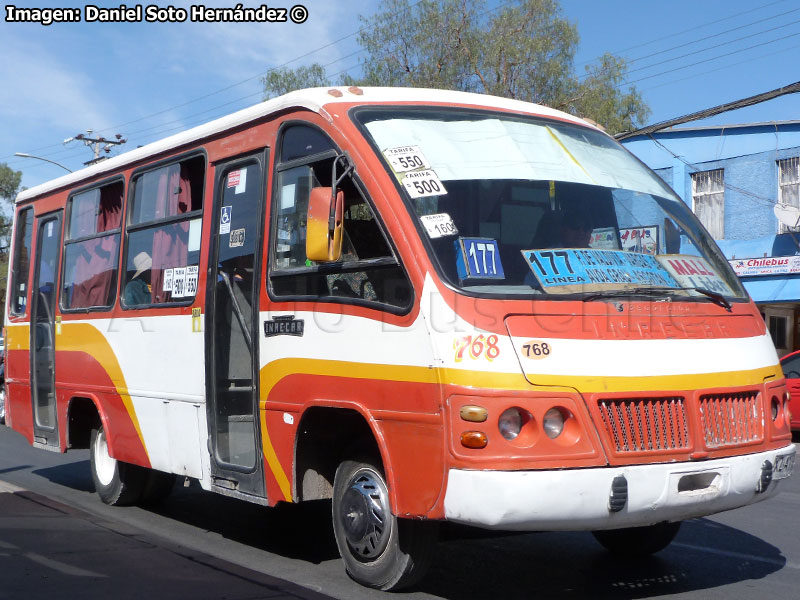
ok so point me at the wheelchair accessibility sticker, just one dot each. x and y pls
(225, 220)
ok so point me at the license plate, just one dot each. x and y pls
(783, 466)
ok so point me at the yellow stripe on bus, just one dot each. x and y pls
(83, 337)
(274, 372)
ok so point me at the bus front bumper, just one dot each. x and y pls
(581, 499)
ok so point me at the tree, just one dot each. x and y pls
(525, 50)
(282, 81)
(9, 186)
(9, 182)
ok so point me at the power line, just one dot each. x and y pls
(792, 88)
(700, 62)
(723, 67)
(629, 62)
(672, 35)
(739, 39)
(708, 37)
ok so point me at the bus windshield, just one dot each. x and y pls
(516, 206)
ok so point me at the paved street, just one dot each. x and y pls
(58, 540)
(51, 549)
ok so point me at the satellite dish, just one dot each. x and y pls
(787, 214)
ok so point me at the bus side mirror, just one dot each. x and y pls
(324, 225)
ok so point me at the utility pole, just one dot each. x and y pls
(97, 144)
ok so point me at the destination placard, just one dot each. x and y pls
(600, 269)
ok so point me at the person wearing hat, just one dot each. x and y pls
(137, 290)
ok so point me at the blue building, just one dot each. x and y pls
(739, 179)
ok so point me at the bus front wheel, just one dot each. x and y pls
(117, 483)
(638, 541)
(379, 550)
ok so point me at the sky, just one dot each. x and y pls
(146, 81)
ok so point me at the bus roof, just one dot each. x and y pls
(315, 100)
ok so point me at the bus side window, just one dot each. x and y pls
(21, 262)
(91, 248)
(367, 271)
(162, 256)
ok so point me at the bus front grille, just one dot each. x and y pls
(731, 419)
(645, 424)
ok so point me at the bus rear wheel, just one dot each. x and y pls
(638, 541)
(378, 549)
(117, 483)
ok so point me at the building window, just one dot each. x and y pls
(708, 199)
(777, 329)
(91, 248)
(789, 187)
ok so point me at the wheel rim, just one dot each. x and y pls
(104, 465)
(365, 514)
(2, 402)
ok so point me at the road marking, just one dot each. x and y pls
(60, 566)
(6, 487)
(741, 555)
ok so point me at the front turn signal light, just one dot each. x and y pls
(474, 439)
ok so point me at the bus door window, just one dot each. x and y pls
(43, 343)
(21, 262)
(235, 300)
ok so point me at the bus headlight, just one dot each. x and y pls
(553, 423)
(511, 422)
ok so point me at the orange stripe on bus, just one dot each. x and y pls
(275, 371)
(83, 337)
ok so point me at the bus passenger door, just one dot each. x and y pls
(42, 343)
(231, 327)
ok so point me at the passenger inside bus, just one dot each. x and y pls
(571, 228)
(137, 290)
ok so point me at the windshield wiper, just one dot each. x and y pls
(715, 297)
(664, 292)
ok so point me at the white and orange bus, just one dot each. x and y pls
(423, 305)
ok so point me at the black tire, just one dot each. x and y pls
(638, 541)
(157, 487)
(116, 482)
(378, 549)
